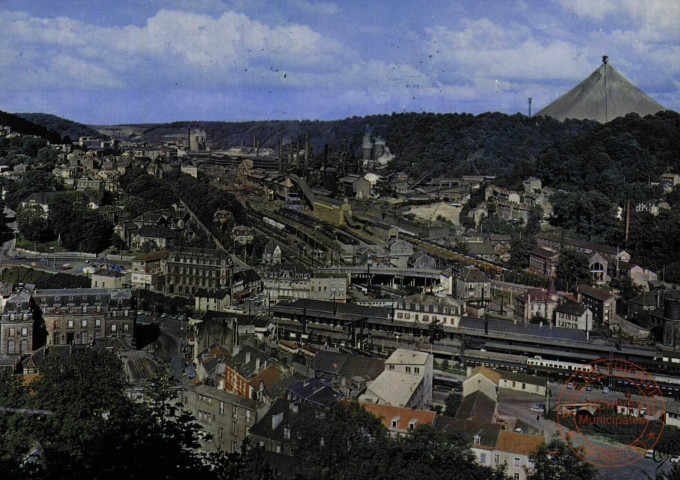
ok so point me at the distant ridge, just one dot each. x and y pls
(62, 126)
(586, 101)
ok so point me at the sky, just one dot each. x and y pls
(110, 62)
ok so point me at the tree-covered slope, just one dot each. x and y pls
(63, 126)
(26, 127)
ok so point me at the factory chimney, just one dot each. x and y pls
(281, 155)
(530, 99)
(306, 149)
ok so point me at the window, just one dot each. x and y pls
(221, 434)
(416, 369)
(408, 369)
(496, 459)
(286, 433)
(56, 325)
(515, 476)
(234, 411)
(114, 327)
(391, 367)
(83, 323)
(477, 440)
(70, 324)
(278, 448)
(247, 416)
(221, 408)
(11, 346)
(233, 428)
(516, 462)
(482, 458)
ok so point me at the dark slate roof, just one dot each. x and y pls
(247, 369)
(347, 366)
(598, 293)
(646, 299)
(597, 247)
(156, 231)
(42, 198)
(487, 431)
(103, 272)
(477, 406)
(571, 308)
(279, 388)
(524, 329)
(249, 275)
(342, 309)
(544, 253)
(315, 392)
(472, 275)
(263, 427)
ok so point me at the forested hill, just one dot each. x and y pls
(618, 158)
(448, 144)
(62, 126)
(26, 127)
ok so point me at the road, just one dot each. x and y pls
(517, 405)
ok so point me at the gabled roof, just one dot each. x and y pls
(477, 406)
(519, 443)
(404, 416)
(270, 376)
(571, 308)
(472, 275)
(315, 392)
(487, 431)
(598, 293)
(492, 375)
(347, 366)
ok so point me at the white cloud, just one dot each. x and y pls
(320, 8)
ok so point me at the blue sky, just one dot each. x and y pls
(123, 61)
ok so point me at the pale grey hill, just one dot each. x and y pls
(586, 101)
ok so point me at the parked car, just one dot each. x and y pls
(605, 390)
(570, 386)
(589, 388)
(649, 454)
(537, 409)
(675, 459)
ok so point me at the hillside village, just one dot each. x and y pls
(269, 285)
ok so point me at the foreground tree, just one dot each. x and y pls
(556, 460)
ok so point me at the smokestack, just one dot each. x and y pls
(254, 143)
(306, 148)
(281, 155)
(529, 106)
(627, 219)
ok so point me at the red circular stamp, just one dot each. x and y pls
(600, 424)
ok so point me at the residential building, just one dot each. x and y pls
(271, 254)
(212, 300)
(472, 284)
(275, 431)
(543, 261)
(536, 302)
(313, 392)
(489, 381)
(243, 235)
(346, 373)
(554, 242)
(226, 417)
(430, 309)
(190, 269)
(291, 281)
(328, 286)
(400, 421)
(600, 302)
(104, 278)
(148, 271)
(245, 283)
(669, 181)
(80, 316)
(190, 170)
(241, 369)
(16, 326)
(574, 315)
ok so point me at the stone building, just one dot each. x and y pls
(225, 416)
(79, 316)
(472, 284)
(16, 326)
(191, 269)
